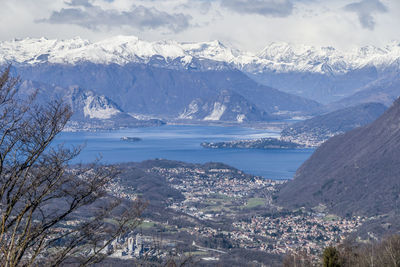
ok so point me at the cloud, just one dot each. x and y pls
(365, 10)
(87, 15)
(313, 22)
(275, 8)
(202, 6)
(84, 3)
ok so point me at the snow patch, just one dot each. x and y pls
(98, 107)
(240, 118)
(217, 112)
(143, 117)
(189, 111)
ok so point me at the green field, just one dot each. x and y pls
(331, 217)
(196, 253)
(254, 202)
(147, 225)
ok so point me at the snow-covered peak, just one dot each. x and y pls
(277, 56)
(214, 50)
(368, 51)
(281, 51)
(119, 49)
(286, 57)
(33, 50)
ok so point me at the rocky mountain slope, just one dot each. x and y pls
(173, 93)
(357, 173)
(90, 110)
(226, 106)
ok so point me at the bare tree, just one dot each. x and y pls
(383, 253)
(297, 259)
(51, 212)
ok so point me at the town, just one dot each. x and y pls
(225, 209)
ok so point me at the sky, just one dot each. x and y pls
(248, 25)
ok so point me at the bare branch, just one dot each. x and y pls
(51, 211)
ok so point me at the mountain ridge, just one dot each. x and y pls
(315, 131)
(280, 57)
(323, 74)
(90, 111)
(356, 173)
(144, 89)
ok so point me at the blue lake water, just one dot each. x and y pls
(182, 142)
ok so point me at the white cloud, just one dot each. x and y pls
(246, 24)
(85, 14)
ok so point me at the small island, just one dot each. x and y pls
(131, 139)
(261, 143)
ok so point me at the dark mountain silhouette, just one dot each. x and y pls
(357, 173)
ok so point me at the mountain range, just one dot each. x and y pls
(208, 81)
(278, 57)
(226, 94)
(119, 81)
(324, 74)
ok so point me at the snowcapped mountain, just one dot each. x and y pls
(324, 74)
(278, 57)
(286, 57)
(159, 78)
(119, 50)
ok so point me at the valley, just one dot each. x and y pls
(213, 212)
(232, 133)
(240, 158)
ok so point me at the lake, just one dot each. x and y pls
(182, 142)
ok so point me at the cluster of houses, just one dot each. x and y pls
(309, 232)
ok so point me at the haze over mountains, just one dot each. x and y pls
(384, 90)
(318, 129)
